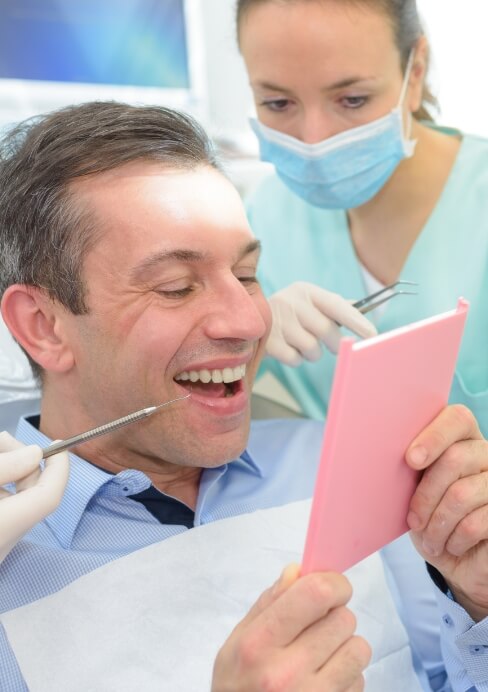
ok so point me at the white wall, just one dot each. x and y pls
(229, 96)
(458, 35)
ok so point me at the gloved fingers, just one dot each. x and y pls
(9, 443)
(282, 340)
(322, 328)
(18, 513)
(25, 508)
(55, 475)
(341, 311)
(304, 342)
(19, 463)
(276, 347)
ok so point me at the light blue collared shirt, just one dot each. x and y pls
(97, 522)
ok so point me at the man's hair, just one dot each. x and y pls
(45, 232)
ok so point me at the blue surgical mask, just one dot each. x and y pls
(343, 171)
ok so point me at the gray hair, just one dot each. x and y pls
(45, 232)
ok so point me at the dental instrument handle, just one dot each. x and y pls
(61, 445)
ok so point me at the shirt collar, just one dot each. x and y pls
(86, 480)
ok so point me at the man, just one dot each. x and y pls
(128, 277)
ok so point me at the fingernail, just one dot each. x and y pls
(413, 521)
(287, 577)
(418, 456)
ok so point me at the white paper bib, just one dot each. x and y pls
(154, 620)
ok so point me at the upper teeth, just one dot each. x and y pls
(225, 375)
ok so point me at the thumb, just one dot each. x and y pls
(287, 578)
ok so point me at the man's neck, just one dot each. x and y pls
(114, 452)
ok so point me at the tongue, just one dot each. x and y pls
(212, 389)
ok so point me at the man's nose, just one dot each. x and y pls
(237, 314)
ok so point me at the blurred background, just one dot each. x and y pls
(183, 53)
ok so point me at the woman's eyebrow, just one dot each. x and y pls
(349, 81)
(340, 84)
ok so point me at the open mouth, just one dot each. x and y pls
(215, 384)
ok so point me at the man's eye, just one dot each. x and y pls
(177, 293)
(354, 101)
(276, 105)
(250, 280)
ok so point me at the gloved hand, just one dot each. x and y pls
(304, 317)
(38, 493)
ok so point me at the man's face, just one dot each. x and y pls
(173, 303)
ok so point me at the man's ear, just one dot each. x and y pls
(35, 321)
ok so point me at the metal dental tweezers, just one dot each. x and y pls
(369, 303)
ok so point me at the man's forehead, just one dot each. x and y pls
(168, 173)
(156, 187)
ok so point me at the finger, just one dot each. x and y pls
(9, 443)
(19, 512)
(462, 459)
(357, 686)
(453, 424)
(276, 347)
(340, 310)
(55, 476)
(292, 666)
(322, 329)
(302, 340)
(345, 668)
(19, 463)
(318, 642)
(460, 500)
(288, 576)
(305, 602)
(33, 479)
(470, 531)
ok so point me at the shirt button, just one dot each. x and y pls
(447, 620)
(125, 489)
(477, 649)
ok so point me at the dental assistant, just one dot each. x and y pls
(367, 188)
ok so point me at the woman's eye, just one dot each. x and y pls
(354, 101)
(276, 105)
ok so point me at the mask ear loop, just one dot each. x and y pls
(408, 70)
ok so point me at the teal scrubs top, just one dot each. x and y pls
(449, 259)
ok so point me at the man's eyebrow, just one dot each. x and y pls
(139, 272)
(250, 248)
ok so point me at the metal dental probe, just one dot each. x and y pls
(61, 445)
